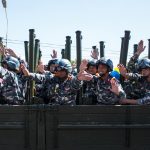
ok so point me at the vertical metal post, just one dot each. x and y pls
(37, 51)
(125, 47)
(31, 61)
(26, 46)
(102, 47)
(31, 50)
(79, 57)
(63, 53)
(121, 50)
(68, 47)
(148, 48)
(135, 48)
(78, 48)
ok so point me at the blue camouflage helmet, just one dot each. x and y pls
(106, 62)
(143, 63)
(12, 62)
(91, 63)
(52, 61)
(65, 64)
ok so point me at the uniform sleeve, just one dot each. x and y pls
(144, 100)
(40, 78)
(76, 84)
(4, 71)
(122, 94)
(133, 76)
(132, 63)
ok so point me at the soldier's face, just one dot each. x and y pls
(92, 70)
(145, 72)
(103, 69)
(52, 67)
(61, 74)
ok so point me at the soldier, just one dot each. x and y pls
(59, 88)
(10, 54)
(132, 64)
(39, 86)
(51, 65)
(108, 89)
(139, 91)
(10, 91)
(89, 88)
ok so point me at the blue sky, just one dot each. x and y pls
(99, 20)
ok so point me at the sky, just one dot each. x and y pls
(98, 20)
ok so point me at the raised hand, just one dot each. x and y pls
(83, 65)
(115, 88)
(122, 69)
(11, 52)
(24, 70)
(83, 75)
(54, 55)
(40, 67)
(140, 47)
(94, 53)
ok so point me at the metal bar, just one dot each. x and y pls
(102, 47)
(11, 125)
(79, 57)
(26, 46)
(68, 47)
(78, 48)
(63, 53)
(121, 50)
(31, 60)
(36, 51)
(125, 47)
(103, 126)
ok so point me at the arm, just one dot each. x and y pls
(35, 76)
(142, 101)
(76, 83)
(129, 76)
(4, 71)
(117, 89)
(133, 60)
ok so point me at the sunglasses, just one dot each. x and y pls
(59, 68)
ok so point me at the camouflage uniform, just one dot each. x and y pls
(104, 95)
(137, 87)
(10, 91)
(39, 86)
(58, 91)
(89, 96)
(103, 92)
(132, 64)
(22, 82)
